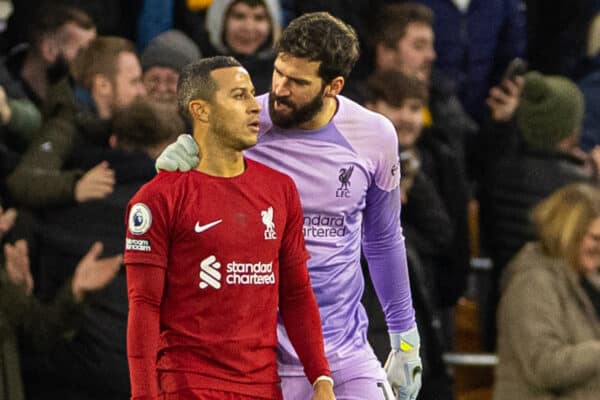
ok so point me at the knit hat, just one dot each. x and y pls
(172, 49)
(550, 110)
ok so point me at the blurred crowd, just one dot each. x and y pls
(496, 104)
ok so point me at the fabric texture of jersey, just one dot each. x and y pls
(198, 227)
(348, 175)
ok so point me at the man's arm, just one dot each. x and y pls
(38, 180)
(144, 288)
(384, 249)
(297, 303)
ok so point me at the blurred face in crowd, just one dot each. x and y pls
(589, 252)
(246, 28)
(127, 83)
(73, 38)
(60, 49)
(414, 53)
(407, 119)
(296, 91)
(161, 84)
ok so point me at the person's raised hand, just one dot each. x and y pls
(96, 183)
(17, 265)
(94, 273)
(504, 99)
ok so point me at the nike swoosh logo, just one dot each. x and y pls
(201, 228)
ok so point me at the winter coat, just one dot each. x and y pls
(549, 332)
(40, 179)
(476, 46)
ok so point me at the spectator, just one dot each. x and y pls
(475, 41)
(404, 41)
(247, 30)
(44, 324)
(56, 35)
(19, 119)
(94, 364)
(162, 61)
(428, 229)
(108, 77)
(529, 164)
(549, 314)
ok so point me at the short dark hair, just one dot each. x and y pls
(195, 81)
(50, 17)
(394, 87)
(146, 123)
(100, 57)
(394, 20)
(321, 37)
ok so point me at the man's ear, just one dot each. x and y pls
(384, 56)
(48, 48)
(113, 141)
(334, 87)
(199, 110)
(102, 86)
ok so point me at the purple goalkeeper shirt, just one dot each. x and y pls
(348, 175)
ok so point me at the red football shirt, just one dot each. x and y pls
(208, 259)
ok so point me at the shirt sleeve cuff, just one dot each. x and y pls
(323, 378)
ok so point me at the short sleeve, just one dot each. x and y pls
(147, 222)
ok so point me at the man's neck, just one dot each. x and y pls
(33, 73)
(330, 105)
(216, 160)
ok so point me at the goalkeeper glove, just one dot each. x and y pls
(403, 366)
(182, 155)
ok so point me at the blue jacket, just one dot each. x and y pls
(475, 47)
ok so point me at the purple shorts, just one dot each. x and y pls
(375, 387)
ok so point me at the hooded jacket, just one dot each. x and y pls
(548, 332)
(215, 24)
(258, 65)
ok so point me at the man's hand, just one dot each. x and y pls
(7, 220)
(503, 100)
(323, 390)
(5, 111)
(17, 265)
(403, 366)
(93, 273)
(97, 183)
(182, 155)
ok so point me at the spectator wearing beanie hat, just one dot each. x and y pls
(550, 112)
(536, 158)
(162, 60)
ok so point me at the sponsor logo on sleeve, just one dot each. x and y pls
(137, 245)
(140, 219)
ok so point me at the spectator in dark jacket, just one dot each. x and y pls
(404, 41)
(56, 35)
(107, 78)
(44, 325)
(530, 166)
(475, 43)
